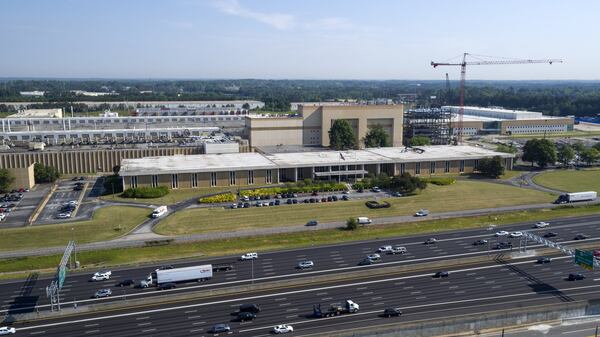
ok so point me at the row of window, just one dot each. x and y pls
(432, 167)
(120, 121)
(213, 179)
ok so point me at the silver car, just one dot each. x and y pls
(103, 293)
(305, 264)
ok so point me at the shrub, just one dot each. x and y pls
(219, 198)
(302, 187)
(145, 192)
(351, 224)
(372, 204)
(112, 185)
(440, 181)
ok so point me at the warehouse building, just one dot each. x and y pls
(247, 169)
(310, 127)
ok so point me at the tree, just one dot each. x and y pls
(590, 156)
(407, 184)
(116, 169)
(45, 174)
(419, 141)
(377, 137)
(565, 154)
(341, 135)
(596, 146)
(539, 151)
(351, 224)
(506, 148)
(491, 167)
(6, 179)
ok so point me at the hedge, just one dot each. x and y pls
(325, 187)
(440, 181)
(145, 192)
(219, 198)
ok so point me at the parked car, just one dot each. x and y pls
(249, 256)
(396, 194)
(220, 328)
(305, 264)
(345, 197)
(441, 274)
(283, 328)
(103, 293)
(389, 312)
(63, 215)
(375, 189)
(541, 224)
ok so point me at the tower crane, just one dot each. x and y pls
(463, 70)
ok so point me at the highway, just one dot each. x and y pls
(272, 266)
(474, 289)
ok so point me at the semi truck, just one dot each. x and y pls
(575, 197)
(185, 274)
(347, 307)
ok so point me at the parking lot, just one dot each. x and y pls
(65, 193)
(23, 209)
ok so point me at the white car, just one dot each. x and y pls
(2, 216)
(249, 256)
(283, 328)
(541, 224)
(502, 233)
(384, 249)
(305, 264)
(397, 250)
(100, 277)
(516, 234)
(9, 331)
(63, 215)
(72, 203)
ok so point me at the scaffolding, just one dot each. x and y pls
(433, 123)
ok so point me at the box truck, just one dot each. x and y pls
(575, 197)
(160, 211)
(184, 274)
(363, 220)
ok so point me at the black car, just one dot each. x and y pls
(222, 267)
(503, 245)
(246, 316)
(166, 267)
(430, 241)
(550, 234)
(74, 179)
(345, 198)
(580, 237)
(289, 201)
(575, 277)
(441, 274)
(220, 328)
(312, 200)
(165, 286)
(312, 223)
(314, 194)
(277, 202)
(294, 201)
(334, 198)
(125, 283)
(250, 307)
(480, 242)
(543, 260)
(246, 205)
(389, 312)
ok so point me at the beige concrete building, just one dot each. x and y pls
(311, 128)
(24, 177)
(247, 169)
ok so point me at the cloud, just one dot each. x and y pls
(277, 20)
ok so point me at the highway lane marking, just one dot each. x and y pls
(141, 318)
(301, 291)
(144, 324)
(91, 325)
(198, 323)
(92, 331)
(576, 331)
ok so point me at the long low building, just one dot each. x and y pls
(246, 169)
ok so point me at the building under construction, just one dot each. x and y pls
(433, 123)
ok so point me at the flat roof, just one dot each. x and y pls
(253, 161)
(194, 163)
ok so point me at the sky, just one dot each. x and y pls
(296, 39)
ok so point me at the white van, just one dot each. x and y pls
(363, 220)
(162, 210)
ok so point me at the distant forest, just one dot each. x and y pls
(579, 98)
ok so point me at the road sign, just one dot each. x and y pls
(584, 258)
(62, 274)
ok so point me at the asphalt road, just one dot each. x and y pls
(272, 266)
(21, 213)
(63, 194)
(474, 289)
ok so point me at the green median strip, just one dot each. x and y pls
(131, 256)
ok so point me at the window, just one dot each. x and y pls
(418, 168)
(232, 178)
(154, 181)
(476, 164)
(447, 167)
(402, 168)
(133, 182)
(194, 180)
(462, 166)
(432, 167)
(250, 177)
(269, 177)
(174, 181)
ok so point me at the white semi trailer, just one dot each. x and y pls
(576, 197)
(184, 274)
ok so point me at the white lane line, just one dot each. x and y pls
(141, 318)
(91, 325)
(92, 331)
(144, 324)
(148, 330)
(197, 316)
(198, 323)
(35, 332)
(576, 331)
(302, 291)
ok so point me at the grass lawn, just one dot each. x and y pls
(114, 257)
(574, 133)
(173, 197)
(509, 174)
(107, 223)
(459, 196)
(570, 180)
